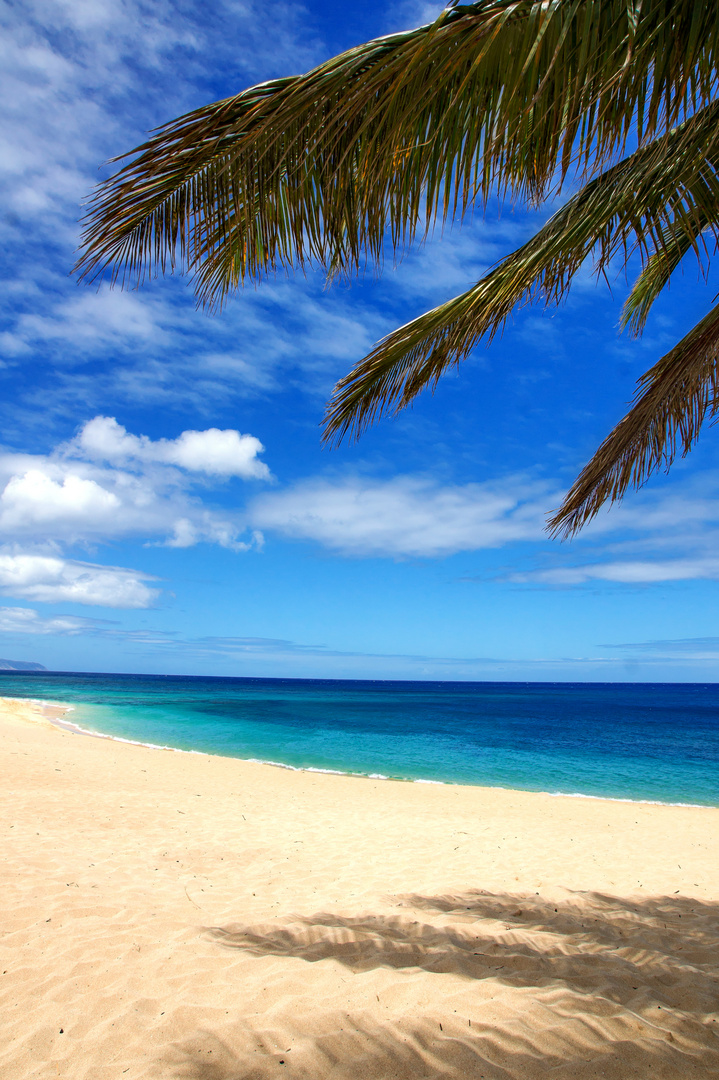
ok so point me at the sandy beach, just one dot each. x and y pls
(202, 918)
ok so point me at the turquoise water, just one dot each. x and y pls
(628, 741)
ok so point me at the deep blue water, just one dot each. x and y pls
(618, 740)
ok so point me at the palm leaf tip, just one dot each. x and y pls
(673, 400)
(399, 368)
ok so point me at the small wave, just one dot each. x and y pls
(76, 729)
(40, 701)
(317, 769)
(626, 799)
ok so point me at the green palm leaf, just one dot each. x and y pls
(673, 400)
(384, 138)
(666, 191)
(655, 276)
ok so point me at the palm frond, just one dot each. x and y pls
(657, 271)
(667, 190)
(673, 400)
(387, 137)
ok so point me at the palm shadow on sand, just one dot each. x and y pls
(594, 986)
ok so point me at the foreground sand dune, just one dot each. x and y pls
(183, 916)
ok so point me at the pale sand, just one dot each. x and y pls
(196, 917)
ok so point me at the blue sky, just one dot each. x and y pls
(165, 503)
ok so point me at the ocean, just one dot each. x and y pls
(648, 742)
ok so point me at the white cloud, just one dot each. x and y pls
(406, 516)
(691, 505)
(82, 82)
(144, 491)
(164, 350)
(94, 320)
(80, 88)
(34, 499)
(662, 536)
(15, 620)
(218, 453)
(627, 572)
(407, 14)
(215, 452)
(453, 260)
(49, 580)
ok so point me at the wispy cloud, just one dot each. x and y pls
(159, 349)
(81, 82)
(698, 648)
(273, 656)
(627, 572)
(85, 86)
(18, 620)
(410, 13)
(405, 516)
(654, 536)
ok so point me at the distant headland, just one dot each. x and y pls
(21, 665)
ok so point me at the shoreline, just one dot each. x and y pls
(59, 721)
(189, 915)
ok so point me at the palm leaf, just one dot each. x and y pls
(666, 191)
(385, 138)
(673, 400)
(655, 275)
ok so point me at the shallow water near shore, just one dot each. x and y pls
(649, 742)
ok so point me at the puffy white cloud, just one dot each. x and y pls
(214, 452)
(145, 489)
(50, 579)
(33, 499)
(68, 497)
(406, 516)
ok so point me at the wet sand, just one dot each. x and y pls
(170, 915)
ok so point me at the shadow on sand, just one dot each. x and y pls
(593, 987)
